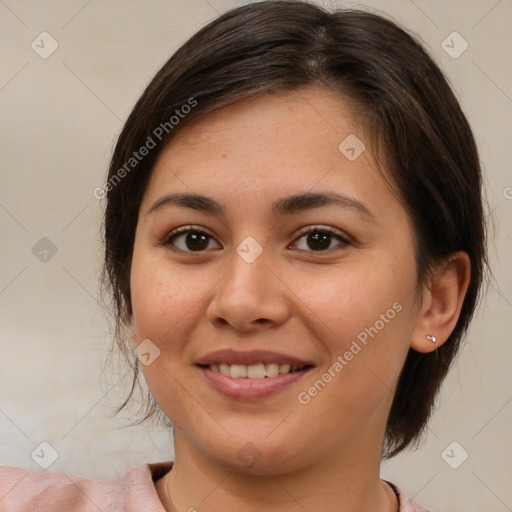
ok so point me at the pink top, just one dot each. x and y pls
(22, 490)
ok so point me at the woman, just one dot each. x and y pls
(295, 245)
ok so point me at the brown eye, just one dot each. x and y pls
(320, 239)
(190, 240)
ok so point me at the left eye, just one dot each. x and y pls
(319, 239)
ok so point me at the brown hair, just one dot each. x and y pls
(408, 105)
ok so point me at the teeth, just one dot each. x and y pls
(284, 368)
(272, 369)
(238, 370)
(224, 369)
(253, 371)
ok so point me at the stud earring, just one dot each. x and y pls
(433, 339)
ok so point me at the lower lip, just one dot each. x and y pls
(251, 389)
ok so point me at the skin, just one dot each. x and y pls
(293, 298)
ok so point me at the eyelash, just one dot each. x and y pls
(168, 241)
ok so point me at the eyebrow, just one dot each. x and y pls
(282, 207)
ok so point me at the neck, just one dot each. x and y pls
(348, 482)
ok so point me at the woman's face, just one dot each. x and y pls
(304, 257)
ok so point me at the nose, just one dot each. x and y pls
(250, 297)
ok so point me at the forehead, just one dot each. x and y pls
(272, 123)
(268, 146)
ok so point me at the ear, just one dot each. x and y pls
(442, 299)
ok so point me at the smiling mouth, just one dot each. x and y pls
(254, 371)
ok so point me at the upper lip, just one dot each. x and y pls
(250, 357)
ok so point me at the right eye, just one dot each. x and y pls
(189, 239)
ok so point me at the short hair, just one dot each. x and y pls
(414, 119)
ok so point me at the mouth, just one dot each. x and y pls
(251, 376)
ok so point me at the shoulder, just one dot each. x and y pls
(406, 504)
(23, 490)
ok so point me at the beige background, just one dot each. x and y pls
(60, 117)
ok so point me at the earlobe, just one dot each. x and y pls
(441, 303)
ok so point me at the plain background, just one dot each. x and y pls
(59, 119)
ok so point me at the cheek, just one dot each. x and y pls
(367, 318)
(164, 302)
(162, 296)
(349, 301)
